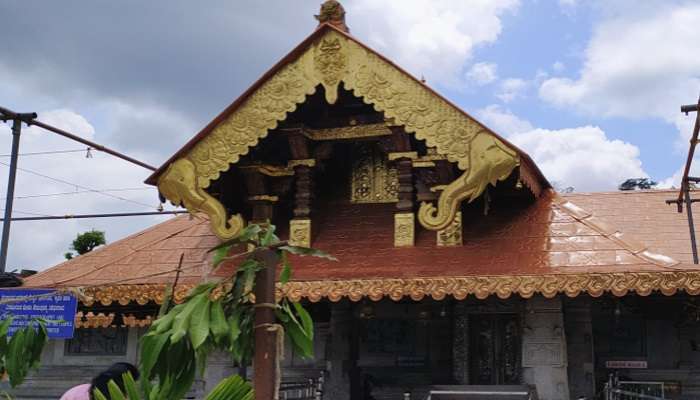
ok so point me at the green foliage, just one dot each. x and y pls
(22, 352)
(637, 184)
(85, 242)
(231, 388)
(220, 315)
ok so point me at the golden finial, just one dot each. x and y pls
(332, 12)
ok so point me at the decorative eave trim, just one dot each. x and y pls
(503, 286)
(125, 294)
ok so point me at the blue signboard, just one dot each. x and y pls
(58, 309)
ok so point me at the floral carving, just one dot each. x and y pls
(330, 61)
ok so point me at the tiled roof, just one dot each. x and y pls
(645, 216)
(604, 235)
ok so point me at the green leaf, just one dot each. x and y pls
(269, 237)
(167, 298)
(165, 322)
(182, 321)
(220, 255)
(303, 344)
(306, 322)
(130, 386)
(286, 273)
(97, 394)
(151, 347)
(249, 232)
(307, 251)
(231, 388)
(218, 325)
(199, 323)
(115, 393)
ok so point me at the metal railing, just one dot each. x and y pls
(311, 389)
(616, 389)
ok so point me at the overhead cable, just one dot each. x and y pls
(33, 196)
(79, 186)
(41, 153)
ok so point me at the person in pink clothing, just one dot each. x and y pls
(115, 373)
(80, 392)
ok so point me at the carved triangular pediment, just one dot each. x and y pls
(329, 58)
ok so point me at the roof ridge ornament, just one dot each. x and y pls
(333, 13)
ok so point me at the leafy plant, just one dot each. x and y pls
(86, 242)
(220, 315)
(231, 388)
(21, 353)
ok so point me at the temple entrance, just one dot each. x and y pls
(494, 341)
(401, 347)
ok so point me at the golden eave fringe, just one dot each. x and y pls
(593, 284)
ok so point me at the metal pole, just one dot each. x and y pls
(265, 359)
(691, 224)
(9, 114)
(16, 131)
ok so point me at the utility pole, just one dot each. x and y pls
(17, 119)
(684, 193)
(265, 362)
(30, 119)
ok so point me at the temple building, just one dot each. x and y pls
(459, 267)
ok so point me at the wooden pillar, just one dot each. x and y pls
(265, 358)
(404, 219)
(300, 225)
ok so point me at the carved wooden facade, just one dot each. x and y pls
(330, 58)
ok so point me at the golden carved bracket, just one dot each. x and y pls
(489, 162)
(178, 184)
(333, 58)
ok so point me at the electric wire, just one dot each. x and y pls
(26, 212)
(34, 196)
(80, 186)
(41, 153)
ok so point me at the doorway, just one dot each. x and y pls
(494, 347)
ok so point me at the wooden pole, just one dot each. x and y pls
(265, 358)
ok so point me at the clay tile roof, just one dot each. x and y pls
(645, 216)
(137, 259)
(575, 243)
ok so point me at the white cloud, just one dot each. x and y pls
(582, 157)
(36, 245)
(511, 89)
(482, 73)
(639, 63)
(434, 38)
(503, 121)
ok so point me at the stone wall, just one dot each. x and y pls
(544, 358)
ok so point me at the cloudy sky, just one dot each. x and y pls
(591, 89)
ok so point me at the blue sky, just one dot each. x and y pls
(590, 88)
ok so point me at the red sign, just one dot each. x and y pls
(626, 364)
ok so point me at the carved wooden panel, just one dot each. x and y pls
(373, 179)
(494, 349)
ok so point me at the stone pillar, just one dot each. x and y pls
(460, 345)
(544, 348)
(338, 360)
(579, 345)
